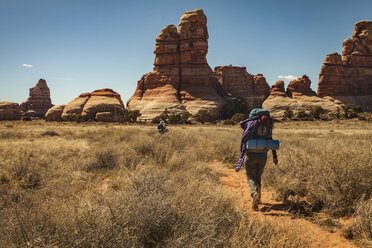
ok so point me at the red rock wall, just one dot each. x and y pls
(351, 74)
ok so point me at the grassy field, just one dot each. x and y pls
(111, 185)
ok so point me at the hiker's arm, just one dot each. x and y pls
(275, 157)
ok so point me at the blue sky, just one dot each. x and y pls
(82, 45)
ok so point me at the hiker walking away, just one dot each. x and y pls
(256, 140)
(162, 127)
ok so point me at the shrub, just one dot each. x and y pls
(229, 122)
(302, 114)
(182, 118)
(351, 110)
(204, 116)
(103, 160)
(316, 112)
(362, 226)
(131, 116)
(50, 133)
(288, 113)
(235, 106)
(238, 117)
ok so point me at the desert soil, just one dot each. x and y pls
(236, 183)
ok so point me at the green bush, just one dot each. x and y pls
(204, 116)
(316, 112)
(351, 110)
(228, 122)
(238, 117)
(302, 114)
(237, 105)
(130, 116)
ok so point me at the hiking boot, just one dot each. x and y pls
(255, 202)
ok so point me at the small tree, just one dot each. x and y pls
(288, 113)
(316, 112)
(131, 116)
(204, 116)
(302, 114)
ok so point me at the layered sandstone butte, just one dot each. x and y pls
(9, 111)
(349, 78)
(237, 82)
(278, 89)
(38, 101)
(299, 87)
(100, 105)
(298, 97)
(182, 79)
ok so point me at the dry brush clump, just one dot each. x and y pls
(332, 170)
(122, 186)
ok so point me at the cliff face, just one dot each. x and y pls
(38, 101)
(349, 77)
(182, 80)
(237, 82)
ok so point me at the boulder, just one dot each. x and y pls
(55, 113)
(38, 101)
(89, 106)
(349, 78)
(104, 100)
(9, 111)
(75, 107)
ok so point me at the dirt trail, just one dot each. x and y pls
(271, 209)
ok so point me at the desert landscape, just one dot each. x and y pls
(95, 172)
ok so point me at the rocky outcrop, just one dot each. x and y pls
(349, 78)
(299, 87)
(54, 113)
(278, 89)
(9, 111)
(236, 81)
(298, 97)
(100, 105)
(38, 101)
(182, 79)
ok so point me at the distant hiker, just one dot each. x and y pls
(256, 141)
(162, 127)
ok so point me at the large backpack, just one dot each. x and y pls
(261, 131)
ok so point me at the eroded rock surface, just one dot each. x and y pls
(236, 81)
(100, 105)
(299, 87)
(278, 89)
(9, 111)
(38, 101)
(349, 78)
(54, 113)
(182, 79)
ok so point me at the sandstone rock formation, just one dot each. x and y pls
(349, 78)
(299, 87)
(54, 113)
(182, 79)
(236, 81)
(38, 102)
(299, 97)
(100, 105)
(9, 111)
(278, 89)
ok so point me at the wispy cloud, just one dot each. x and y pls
(27, 65)
(287, 77)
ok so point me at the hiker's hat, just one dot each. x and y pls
(265, 120)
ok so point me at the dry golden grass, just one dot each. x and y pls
(110, 185)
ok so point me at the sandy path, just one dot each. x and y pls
(237, 184)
